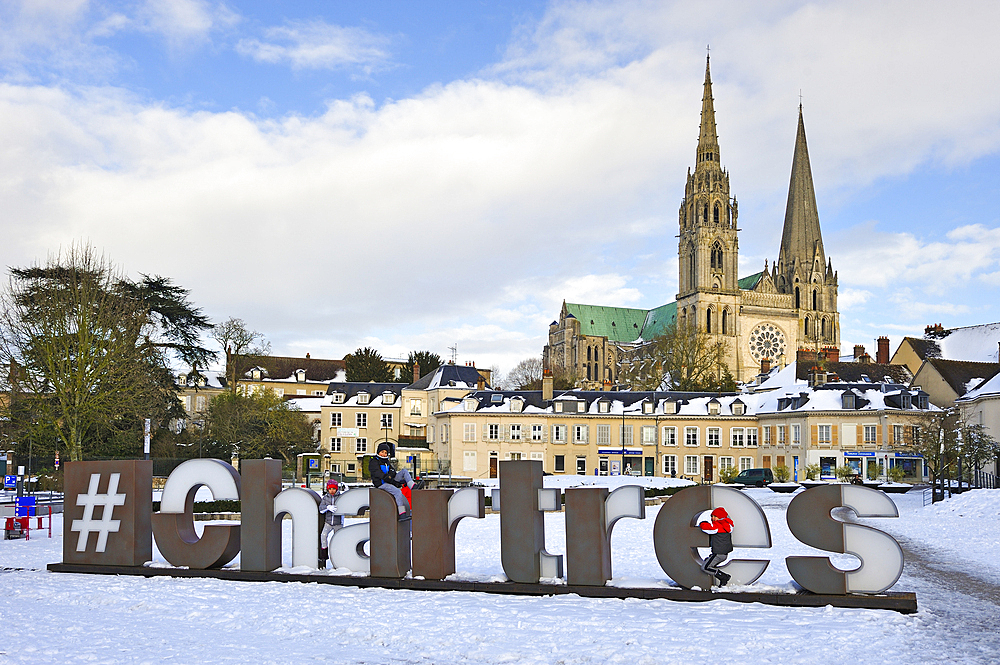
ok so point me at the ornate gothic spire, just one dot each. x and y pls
(801, 239)
(708, 139)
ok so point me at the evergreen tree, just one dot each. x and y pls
(367, 365)
(428, 360)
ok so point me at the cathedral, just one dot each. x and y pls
(761, 319)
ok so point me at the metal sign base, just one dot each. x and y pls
(903, 602)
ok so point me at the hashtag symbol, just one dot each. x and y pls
(105, 525)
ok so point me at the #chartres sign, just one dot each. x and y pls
(109, 521)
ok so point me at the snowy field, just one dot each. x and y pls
(951, 549)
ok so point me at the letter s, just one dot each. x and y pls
(810, 521)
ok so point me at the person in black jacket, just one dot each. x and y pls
(386, 478)
(720, 539)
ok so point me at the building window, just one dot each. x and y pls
(626, 435)
(515, 432)
(796, 435)
(870, 436)
(690, 436)
(361, 445)
(361, 420)
(781, 435)
(726, 463)
(386, 421)
(469, 460)
(581, 466)
(560, 463)
(897, 435)
(915, 432)
(352, 468)
(559, 434)
(444, 434)
(335, 467)
(767, 436)
(536, 432)
(739, 408)
(691, 465)
(338, 398)
(713, 408)
(649, 435)
(746, 463)
(559, 407)
(580, 434)
(540, 456)
(604, 435)
(714, 437)
(670, 465)
(493, 432)
(823, 435)
(751, 437)
(415, 405)
(363, 398)
(336, 419)
(736, 439)
(335, 444)
(469, 432)
(670, 436)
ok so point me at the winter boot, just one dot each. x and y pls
(322, 557)
(723, 578)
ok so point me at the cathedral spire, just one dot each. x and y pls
(801, 239)
(708, 138)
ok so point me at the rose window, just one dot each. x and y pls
(767, 341)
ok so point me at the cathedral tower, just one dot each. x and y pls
(802, 269)
(708, 249)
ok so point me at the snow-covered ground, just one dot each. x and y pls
(49, 617)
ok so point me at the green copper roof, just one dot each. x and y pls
(747, 283)
(623, 324)
(618, 324)
(658, 319)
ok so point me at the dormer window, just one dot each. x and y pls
(471, 404)
(182, 379)
(559, 407)
(516, 405)
(256, 373)
(647, 407)
(338, 398)
(848, 401)
(670, 406)
(364, 398)
(739, 408)
(906, 401)
(300, 375)
(713, 408)
(388, 397)
(603, 407)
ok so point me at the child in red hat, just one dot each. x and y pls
(720, 539)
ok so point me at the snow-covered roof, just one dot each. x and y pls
(784, 378)
(308, 404)
(213, 379)
(975, 343)
(988, 389)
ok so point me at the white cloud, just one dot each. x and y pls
(319, 45)
(467, 213)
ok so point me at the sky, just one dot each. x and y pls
(444, 174)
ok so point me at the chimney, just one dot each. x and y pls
(481, 383)
(882, 354)
(832, 354)
(805, 356)
(416, 371)
(547, 384)
(307, 356)
(765, 365)
(859, 350)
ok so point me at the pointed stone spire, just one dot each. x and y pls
(801, 239)
(708, 138)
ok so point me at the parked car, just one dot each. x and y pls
(755, 477)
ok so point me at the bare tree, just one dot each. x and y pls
(241, 346)
(679, 359)
(526, 375)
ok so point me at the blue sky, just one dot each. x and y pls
(422, 175)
